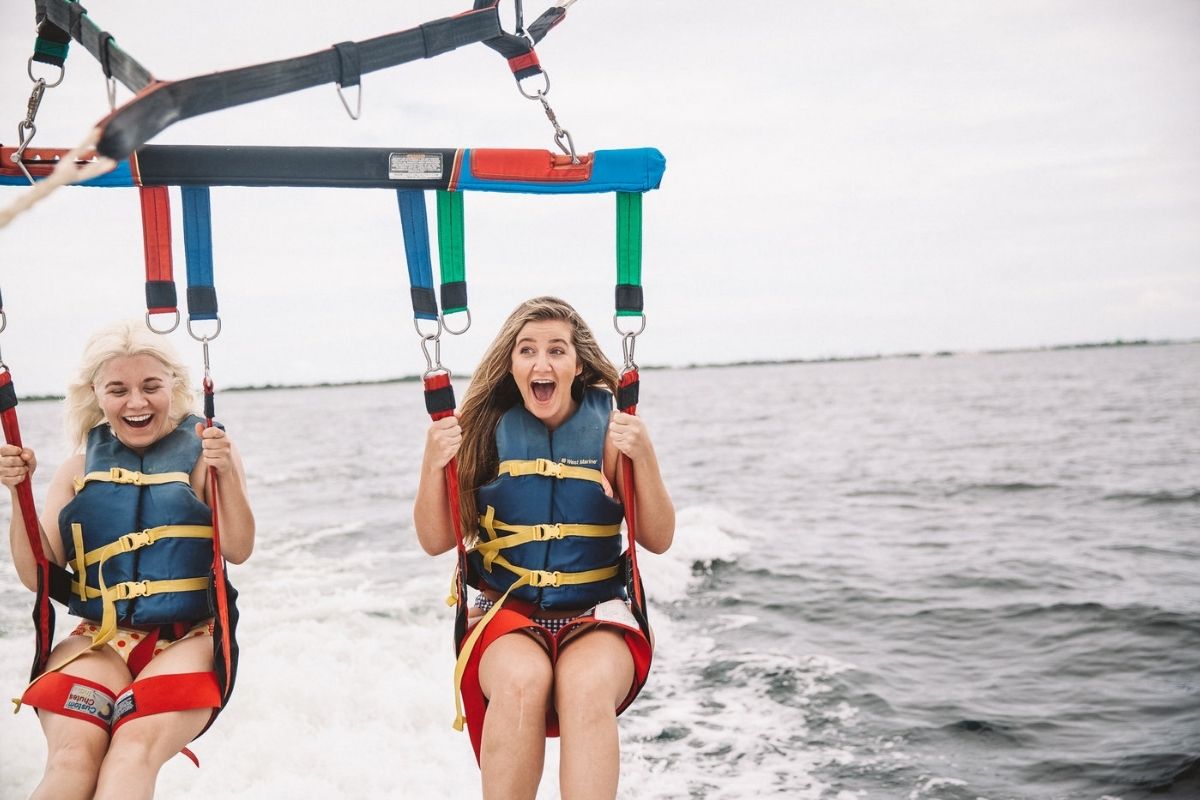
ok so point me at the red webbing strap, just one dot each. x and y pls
(222, 595)
(439, 402)
(43, 614)
(628, 388)
(156, 238)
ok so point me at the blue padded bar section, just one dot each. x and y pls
(633, 170)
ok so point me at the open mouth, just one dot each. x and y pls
(140, 421)
(542, 390)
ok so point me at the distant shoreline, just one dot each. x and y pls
(725, 364)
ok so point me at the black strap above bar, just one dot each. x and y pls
(439, 399)
(349, 66)
(628, 395)
(161, 294)
(8, 397)
(424, 301)
(200, 300)
(629, 297)
(549, 18)
(69, 18)
(454, 294)
(52, 42)
(152, 111)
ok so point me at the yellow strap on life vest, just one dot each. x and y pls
(122, 475)
(523, 534)
(544, 466)
(527, 577)
(139, 539)
(79, 562)
(109, 595)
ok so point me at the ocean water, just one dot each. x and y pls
(927, 578)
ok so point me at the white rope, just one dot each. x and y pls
(65, 173)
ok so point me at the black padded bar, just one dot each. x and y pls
(346, 167)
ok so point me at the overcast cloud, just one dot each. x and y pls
(842, 179)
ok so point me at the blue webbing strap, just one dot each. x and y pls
(415, 223)
(197, 243)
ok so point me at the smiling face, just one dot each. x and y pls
(544, 364)
(134, 393)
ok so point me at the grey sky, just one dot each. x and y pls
(842, 179)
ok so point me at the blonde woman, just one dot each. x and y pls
(134, 682)
(538, 449)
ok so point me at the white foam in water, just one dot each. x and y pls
(345, 689)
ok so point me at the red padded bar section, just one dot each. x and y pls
(529, 165)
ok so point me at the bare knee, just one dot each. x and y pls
(81, 755)
(517, 679)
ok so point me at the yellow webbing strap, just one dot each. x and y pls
(109, 595)
(122, 475)
(523, 534)
(139, 539)
(128, 590)
(79, 562)
(544, 466)
(528, 577)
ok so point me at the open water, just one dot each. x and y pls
(954, 578)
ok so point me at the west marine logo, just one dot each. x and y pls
(93, 702)
(580, 462)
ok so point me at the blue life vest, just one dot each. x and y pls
(137, 538)
(545, 519)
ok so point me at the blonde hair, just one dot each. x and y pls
(81, 410)
(493, 392)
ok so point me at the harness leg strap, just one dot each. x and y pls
(72, 696)
(163, 693)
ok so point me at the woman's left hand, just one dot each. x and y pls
(217, 448)
(628, 433)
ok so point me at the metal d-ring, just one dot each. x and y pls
(204, 339)
(617, 325)
(150, 325)
(62, 73)
(452, 331)
(357, 112)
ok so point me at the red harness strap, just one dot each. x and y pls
(517, 615)
(164, 693)
(43, 612)
(72, 696)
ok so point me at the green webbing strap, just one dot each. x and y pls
(629, 254)
(451, 258)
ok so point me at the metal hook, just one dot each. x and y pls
(357, 112)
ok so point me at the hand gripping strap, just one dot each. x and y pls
(71, 696)
(164, 693)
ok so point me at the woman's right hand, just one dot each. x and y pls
(16, 464)
(442, 441)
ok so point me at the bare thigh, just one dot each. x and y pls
(597, 661)
(101, 666)
(167, 733)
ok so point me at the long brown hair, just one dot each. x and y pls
(493, 391)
